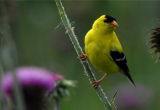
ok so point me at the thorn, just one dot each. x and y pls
(115, 95)
(66, 31)
(73, 28)
(60, 23)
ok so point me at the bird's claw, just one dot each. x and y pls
(96, 83)
(82, 57)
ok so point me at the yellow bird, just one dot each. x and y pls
(104, 50)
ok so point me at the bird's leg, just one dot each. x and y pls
(96, 83)
(82, 57)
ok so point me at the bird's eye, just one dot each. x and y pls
(109, 19)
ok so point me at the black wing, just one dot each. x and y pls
(120, 60)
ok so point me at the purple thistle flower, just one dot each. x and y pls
(131, 98)
(31, 77)
(35, 83)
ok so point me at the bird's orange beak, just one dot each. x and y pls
(114, 24)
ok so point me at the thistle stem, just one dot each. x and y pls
(79, 51)
(1, 95)
(8, 53)
(57, 104)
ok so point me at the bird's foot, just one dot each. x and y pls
(96, 83)
(82, 57)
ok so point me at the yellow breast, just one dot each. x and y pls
(98, 47)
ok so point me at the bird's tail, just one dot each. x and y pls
(130, 78)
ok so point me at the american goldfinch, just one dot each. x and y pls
(104, 50)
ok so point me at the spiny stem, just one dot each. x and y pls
(79, 51)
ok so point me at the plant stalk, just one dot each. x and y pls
(57, 104)
(79, 51)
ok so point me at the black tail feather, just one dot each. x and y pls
(120, 59)
(130, 78)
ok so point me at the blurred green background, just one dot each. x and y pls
(41, 41)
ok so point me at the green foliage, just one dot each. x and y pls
(62, 89)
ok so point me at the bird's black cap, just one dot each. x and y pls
(109, 19)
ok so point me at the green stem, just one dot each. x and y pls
(79, 51)
(8, 54)
(1, 95)
(57, 104)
